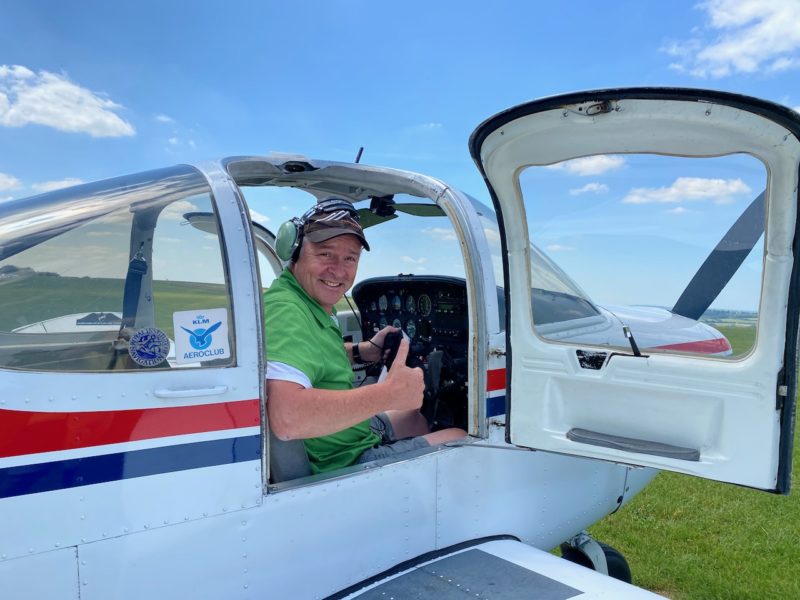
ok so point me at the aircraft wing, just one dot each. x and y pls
(496, 569)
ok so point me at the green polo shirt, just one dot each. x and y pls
(301, 334)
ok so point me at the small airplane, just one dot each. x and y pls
(136, 458)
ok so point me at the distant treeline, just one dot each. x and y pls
(715, 313)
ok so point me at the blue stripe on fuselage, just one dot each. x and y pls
(90, 470)
(496, 406)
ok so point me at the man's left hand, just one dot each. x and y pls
(376, 352)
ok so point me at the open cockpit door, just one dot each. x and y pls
(699, 396)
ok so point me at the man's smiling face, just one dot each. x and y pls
(326, 270)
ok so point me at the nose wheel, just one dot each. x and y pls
(588, 552)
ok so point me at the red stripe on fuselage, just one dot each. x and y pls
(495, 380)
(23, 432)
(701, 346)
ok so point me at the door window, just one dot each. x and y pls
(119, 275)
(664, 246)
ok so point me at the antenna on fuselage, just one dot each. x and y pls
(358, 155)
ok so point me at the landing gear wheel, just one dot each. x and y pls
(618, 567)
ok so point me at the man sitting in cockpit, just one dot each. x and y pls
(309, 369)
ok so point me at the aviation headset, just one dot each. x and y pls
(290, 234)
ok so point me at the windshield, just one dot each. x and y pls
(555, 296)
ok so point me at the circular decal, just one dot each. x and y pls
(148, 347)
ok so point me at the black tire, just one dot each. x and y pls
(574, 555)
(618, 567)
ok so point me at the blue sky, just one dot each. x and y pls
(92, 89)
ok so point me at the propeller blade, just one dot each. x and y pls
(724, 260)
(367, 218)
(420, 210)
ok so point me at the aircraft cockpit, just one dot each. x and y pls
(432, 311)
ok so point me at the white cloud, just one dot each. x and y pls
(176, 210)
(8, 182)
(175, 142)
(559, 248)
(6, 198)
(594, 188)
(590, 165)
(49, 186)
(164, 119)
(52, 100)
(258, 217)
(422, 127)
(797, 109)
(683, 189)
(440, 233)
(414, 261)
(749, 36)
(678, 210)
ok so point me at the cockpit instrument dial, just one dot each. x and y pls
(425, 305)
(410, 304)
(396, 303)
(383, 302)
(411, 328)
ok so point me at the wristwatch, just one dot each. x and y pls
(356, 352)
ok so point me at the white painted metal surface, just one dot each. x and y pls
(586, 584)
(52, 575)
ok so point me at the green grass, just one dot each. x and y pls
(40, 297)
(688, 538)
(692, 539)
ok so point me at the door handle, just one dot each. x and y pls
(616, 442)
(216, 390)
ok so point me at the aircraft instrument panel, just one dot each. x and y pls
(432, 310)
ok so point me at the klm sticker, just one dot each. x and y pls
(201, 335)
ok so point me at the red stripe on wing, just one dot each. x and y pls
(701, 346)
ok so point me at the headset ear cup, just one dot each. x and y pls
(287, 241)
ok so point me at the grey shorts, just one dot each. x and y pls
(389, 446)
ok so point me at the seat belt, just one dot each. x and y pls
(133, 287)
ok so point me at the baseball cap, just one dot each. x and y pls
(332, 218)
